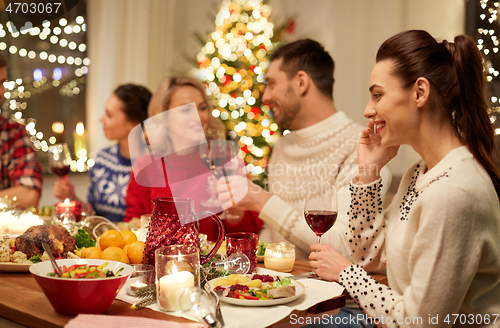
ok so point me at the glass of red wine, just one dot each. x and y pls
(321, 208)
(59, 159)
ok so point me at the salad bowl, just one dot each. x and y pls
(74, 296)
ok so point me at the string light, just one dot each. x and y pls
(18, 89)
(488, 43)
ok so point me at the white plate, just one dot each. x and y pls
(299, 291)
(15, 267)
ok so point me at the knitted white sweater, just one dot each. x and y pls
(440, 242)
(325, 153)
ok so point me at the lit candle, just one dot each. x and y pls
(137, 285)
(280, 256)
(17, 226)
(79, 138)
(72, 207)
(171, 288)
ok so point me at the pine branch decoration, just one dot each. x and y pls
(147, 296)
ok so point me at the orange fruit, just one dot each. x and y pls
(135, 252)
(125, 248)
(91, 253)
(113, 253)
(111, 238)
(128, 236)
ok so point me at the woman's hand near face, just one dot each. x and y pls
(372, 156)
(327, 262)
(64, 189)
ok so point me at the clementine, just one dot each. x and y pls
(111, 238)
(128, 236)
(91, 253)
(135, 252)
(113, 253)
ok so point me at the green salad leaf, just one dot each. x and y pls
(83, 239)
(282, 283)
(261, 250)
(35, 259)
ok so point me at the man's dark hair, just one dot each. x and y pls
(309, 56)
(3, 61)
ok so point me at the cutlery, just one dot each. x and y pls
(304, 275)
(49, 253)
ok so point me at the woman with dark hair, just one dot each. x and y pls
(440, 237)
(127, 107)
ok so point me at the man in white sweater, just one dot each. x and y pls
(321, 149)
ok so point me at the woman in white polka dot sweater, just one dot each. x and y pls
(440, 237)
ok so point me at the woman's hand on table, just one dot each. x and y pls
(63, 188)
(327, 262)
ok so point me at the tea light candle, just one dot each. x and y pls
(171, 288)
(279, 256)
(137, 285)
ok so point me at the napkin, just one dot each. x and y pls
(102, 321)
(262, 316)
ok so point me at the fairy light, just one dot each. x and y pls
(18, 90)
(487, 44)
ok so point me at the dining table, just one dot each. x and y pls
(23, 302)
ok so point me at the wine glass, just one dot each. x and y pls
(59, 159)
(207, 152)
(235, 263)
(321, 208)
(221, 157)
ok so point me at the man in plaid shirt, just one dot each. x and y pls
(20, 171)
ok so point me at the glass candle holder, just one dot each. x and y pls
(279, 256)
(142, 276)
(177, 268)
(73, 207)
(243, 242)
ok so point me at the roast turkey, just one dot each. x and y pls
(56, 236)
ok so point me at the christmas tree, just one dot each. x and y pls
(232, 64)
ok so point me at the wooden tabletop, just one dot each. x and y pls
(22, 301)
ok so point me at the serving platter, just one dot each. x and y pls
(15, 267)
(300, 289)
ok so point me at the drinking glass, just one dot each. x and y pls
(243, 242)
(59, 159)
(221, 157)
(177, 268)
(142, 276)
(321, 208)
(237, 263)
(207, 154)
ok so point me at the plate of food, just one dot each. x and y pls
(15, 267)
(256, 289)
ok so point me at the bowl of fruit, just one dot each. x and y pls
(86, 286)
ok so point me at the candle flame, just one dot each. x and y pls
(66, 201)
(174, 269)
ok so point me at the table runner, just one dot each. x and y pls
(262, 316)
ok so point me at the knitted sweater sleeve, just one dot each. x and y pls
(366, 230)
(453, 233)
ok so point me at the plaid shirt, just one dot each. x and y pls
(19, 165)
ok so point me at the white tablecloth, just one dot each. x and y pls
(256, 317)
